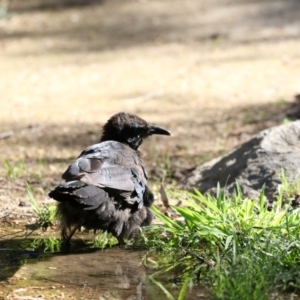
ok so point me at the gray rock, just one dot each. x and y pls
(255, 163)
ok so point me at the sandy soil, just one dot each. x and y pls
(213, 72)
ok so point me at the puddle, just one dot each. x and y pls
(112, 272)
(115, 273)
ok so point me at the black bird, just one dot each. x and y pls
(106, 187)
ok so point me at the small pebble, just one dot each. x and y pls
(24, 203)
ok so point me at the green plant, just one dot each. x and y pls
(289, 192)
(103, 240)
(49, 244)
(46, 214)
(38, 173)
(181, 284)
(13, 170)
(286, 121)
(239, 247)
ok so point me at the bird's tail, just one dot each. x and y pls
(90, 206)
(79, 205)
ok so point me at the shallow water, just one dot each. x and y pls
(115, 273)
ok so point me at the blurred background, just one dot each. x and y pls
(213, 72)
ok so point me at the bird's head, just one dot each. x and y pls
(129, 129)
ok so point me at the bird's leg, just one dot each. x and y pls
(121, 242)
(67, 237)
(72, 233)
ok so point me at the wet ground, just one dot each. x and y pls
(84, 273)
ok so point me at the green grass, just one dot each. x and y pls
(14, 170)
(46, 214)
(43, 244)
(39, 171)
(236, 246)
(103, 240)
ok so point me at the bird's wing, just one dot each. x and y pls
(116, 170)
(91, 197)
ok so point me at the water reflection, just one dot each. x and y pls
(115, 273)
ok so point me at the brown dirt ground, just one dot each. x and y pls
(213, 72)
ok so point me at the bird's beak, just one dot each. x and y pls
(153, 129)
